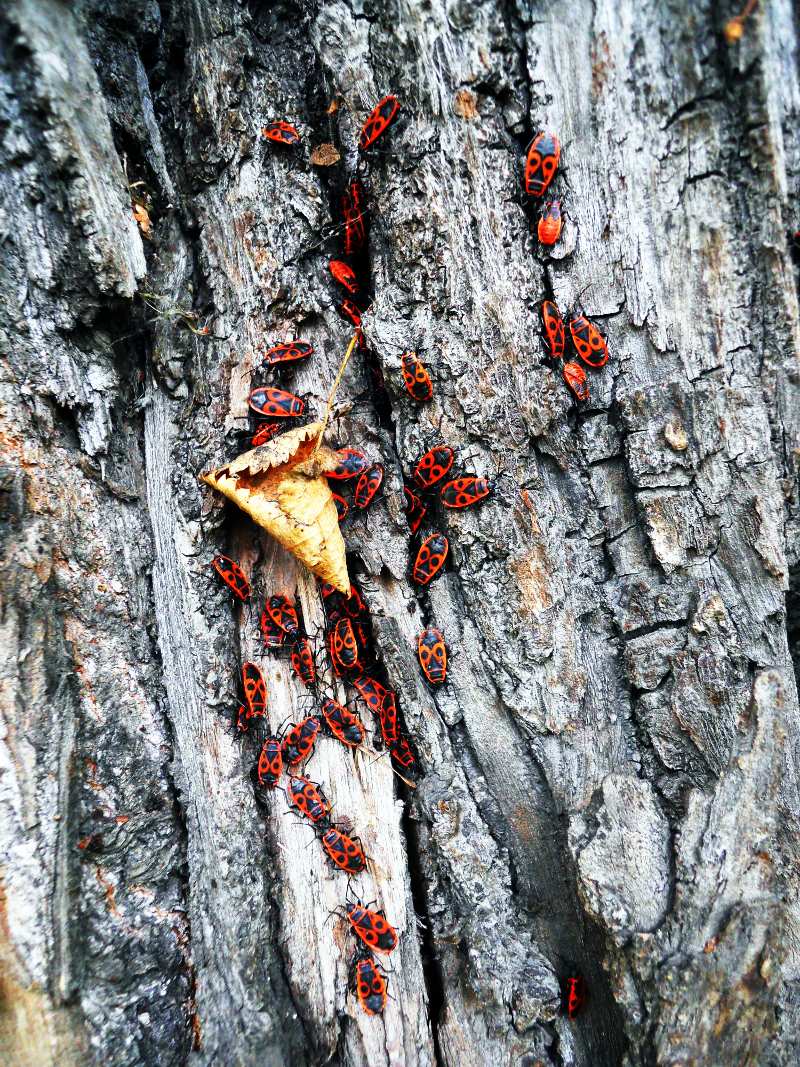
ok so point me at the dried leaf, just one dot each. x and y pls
(465, 104)
(280, 450)
(325, 155)
(734, 29)
(142, 217)
(281, 487)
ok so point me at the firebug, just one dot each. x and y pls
(575, 377)
(372, 927)
(574, 995)
(368, 485)
(308, 798)
(332, 601)
(589, 343)
(233, 576)
(352, 463)
(348, 310)
(338, 670)
(463, 492)
(344, 645)
(433, 466)
(381, 116)
(270, 763)
(344, 724)
(276, 403)
(553, 328)
(288, 352)
(281, 133)
(272, 635)
(387, 720)
(432, 653)
(303, 661)
(371, 692)
(402, 755)
(299, 742)
(541, 164)
(265, 433)
(354, 605)
(354, 214)
(430, 558)
(550, 223)
(416, 378)
(368, 983)
(283, 613)
(415, 509)
(343, 851)
(255, 697)
(344, 275)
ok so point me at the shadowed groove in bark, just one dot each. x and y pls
(566, 935)
(431, 965)
(66, 877)
(793, 616)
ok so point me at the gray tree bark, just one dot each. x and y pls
(609, 779)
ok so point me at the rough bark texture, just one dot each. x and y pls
(610, 775)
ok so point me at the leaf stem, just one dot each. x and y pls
(332, 393)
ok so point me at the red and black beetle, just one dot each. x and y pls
(368, 982)
(343, 851)
(372, 927)
(276, 403)
(416, 378)
(430, 558)
(464, 492)
(433, 466)
(233, 576)
(432, 655)
(541, 163)
(378, 120)
(281, 133)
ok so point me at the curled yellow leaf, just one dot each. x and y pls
(281, 486)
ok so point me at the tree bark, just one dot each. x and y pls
(609, 776)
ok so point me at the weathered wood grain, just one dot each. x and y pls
(610, 773)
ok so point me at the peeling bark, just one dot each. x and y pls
(610, 773)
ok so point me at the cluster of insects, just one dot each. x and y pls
(269, 403)
(540, 169)
(272, 402)
(349, 269)
(586, 340)
(366, 477)
(356, 471)
(376, 934)
(428, 490)
(424, 490)
(346, 631)
(282, 755)
(351, 655)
